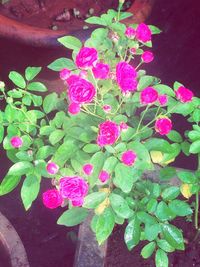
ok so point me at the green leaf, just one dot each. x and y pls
(30, 190)
(196, 115)
(20, 168)
(32, 72)
(132, 233)
(156, 144)
(180, 208)
(73, 216)
(173, 236)
(161, 258)
(97, 161)
(163, 212)
(195, 147)
(70, 42)
(62, 63)
(56, 136)
(146, 218)
(175, 137)
(46, 130)
(194, 135)
(120, 206)
(164, 245)
(64, 152)
(1, 133)
(125, 177)
(8, 184)
(187, 177)
(24, 156)
(104, 225)
(151, 205)
(91, 148)
(50, 102)
(145, 81)
(109, 164)
(92, 200)
(44, 152)
(164, 89)
(37, 86)
(96, 20)
(154, 29)
(148, 250)
(170, 193)
(17, 79)
(152, 231)
(167, 173)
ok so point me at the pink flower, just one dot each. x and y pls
(104, 176)
(123, 126)
(163, 125)
(147, 57)
(148, 96)
(86, 57)
(130, 32)
(108, 133)
(101, 71)
(133, 50)
(128, 157)
(184, 95)
(73, 187)
(52, 199)
(126, 77)
(80, 90)
(77, 202)
(83, 74)
(52, 168)
(143, 33)
(162, 100)
(74, 108)
(88, 169)
(16, 141)
(107, 108)
(64, 74)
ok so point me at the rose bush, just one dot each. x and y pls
(103, 136)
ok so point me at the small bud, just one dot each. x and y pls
(16, 142)
(52, 168)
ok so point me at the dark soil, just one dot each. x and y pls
(4, 258)
(119, 256)
(56, 14)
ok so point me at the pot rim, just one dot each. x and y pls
(13, 244)
(35, 36)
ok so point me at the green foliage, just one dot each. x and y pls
(73, 216)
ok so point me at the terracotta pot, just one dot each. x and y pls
(12, 245)
(36, 36)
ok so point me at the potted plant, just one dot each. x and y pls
(95, 140)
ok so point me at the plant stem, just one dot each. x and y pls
(142, 117)
(196, 220)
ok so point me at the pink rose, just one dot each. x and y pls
(101, 71)
(148, 96)
(88, 169)
(104, 176)
(108, 133)
(16, 142)
(77, 202)
(52, 168)
(130, 32)
(143, 33)
(163, 125)
(126, 77)
(162, 99)
(74, 108)
(64, 74)
(184, 95)
(123, 126)
(86, 57)
(147, 57)
(73, 188)
(107, 108)
(128, 157)
(52, 199)
(80, 90)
